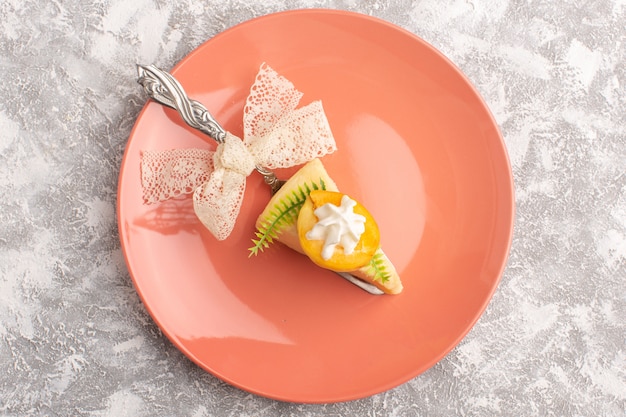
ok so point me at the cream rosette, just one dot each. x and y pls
(276, 134)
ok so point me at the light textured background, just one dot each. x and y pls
(74, 337)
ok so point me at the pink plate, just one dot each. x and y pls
(416, 145)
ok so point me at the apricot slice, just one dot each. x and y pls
(339, 260)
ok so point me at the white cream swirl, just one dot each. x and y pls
(337, 226)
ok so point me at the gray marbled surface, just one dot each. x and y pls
(75, 339)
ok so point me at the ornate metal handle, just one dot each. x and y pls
(164, 88)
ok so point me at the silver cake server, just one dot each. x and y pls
(162, 87)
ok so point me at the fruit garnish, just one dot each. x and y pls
(342, 254)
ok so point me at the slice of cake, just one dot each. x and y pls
(310, 215)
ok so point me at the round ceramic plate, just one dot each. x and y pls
(416, 145)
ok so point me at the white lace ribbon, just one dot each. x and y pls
(276, 135)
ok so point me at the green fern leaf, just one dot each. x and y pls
(377, 268)
(283, 214)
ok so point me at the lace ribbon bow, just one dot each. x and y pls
(276, 135)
